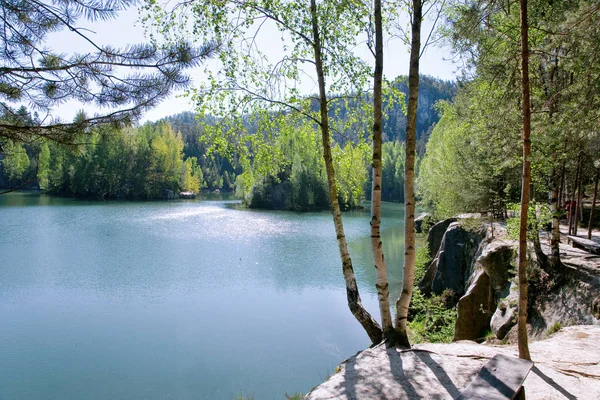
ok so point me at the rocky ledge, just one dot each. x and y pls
(442, 371)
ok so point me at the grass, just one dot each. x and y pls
(557, 326)
(489, 336)
(432, 319)
(297, 396)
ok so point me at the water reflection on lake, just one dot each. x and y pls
(184, 299)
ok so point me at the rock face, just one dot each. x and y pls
(505, 316)
(419, 222)
(393, 374)
(475, 309)
(495, 260)
(567, 366)
(481, 272)
(570, 304)
(452, 266)
(436, 234)
(489, 284)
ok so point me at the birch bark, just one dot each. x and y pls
(403, 302)
(376, 163)
(370, 325)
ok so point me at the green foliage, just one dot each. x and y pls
(16, 161)
(482, 164)
(473, 225)
(125, 81)
(297, 396)
(431, 319)
(393, 157)
(465, 168)
(350, 163)
(130, 163)
(283, 168)
(489, 335)
(538, 215)
(44, 165)
(557, 326)
(422, 262)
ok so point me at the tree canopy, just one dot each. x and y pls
(121, 82)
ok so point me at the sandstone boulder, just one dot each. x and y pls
(505, 316)
(419, 222)
(436, 234)
(567, 366)
(475, 309)
(455, 258)
(495, 260)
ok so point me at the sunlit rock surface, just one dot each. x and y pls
(567, 366)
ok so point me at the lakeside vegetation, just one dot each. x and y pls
(174, 155)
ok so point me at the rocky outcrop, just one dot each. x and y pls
(475, 309)
(495, 260)
(505, 316)
(481, 271)
(420, 220)
(571, 303)
(488, 287)
(436, 234)
(478, 269)
(452, 265)
(567, 366)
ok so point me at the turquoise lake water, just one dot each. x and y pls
(189, 299)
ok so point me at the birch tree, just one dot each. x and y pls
(376, 244)
(403, 302)
(316, 42)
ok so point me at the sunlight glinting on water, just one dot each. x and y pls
(159, 299)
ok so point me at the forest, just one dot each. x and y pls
(145, 162)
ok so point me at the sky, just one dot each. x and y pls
(126, 29)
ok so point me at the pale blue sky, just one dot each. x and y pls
(126, 30)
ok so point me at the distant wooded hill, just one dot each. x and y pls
(431, 90)
(99, 169)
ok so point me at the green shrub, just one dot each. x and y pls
(557, 326)
(422, 262)
(430, 319)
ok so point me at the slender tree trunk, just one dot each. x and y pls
(572, 207)
(403, 302)
(579, 208)
(593, 204)
(537, 245)
(555, 204)
(376, 244)
(555, 233)
(354, 302)
(522, 322)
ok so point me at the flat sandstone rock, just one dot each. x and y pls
(567, 366)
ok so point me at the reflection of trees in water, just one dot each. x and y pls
(307, 258)
(393, 248)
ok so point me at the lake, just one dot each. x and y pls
(187, 299)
